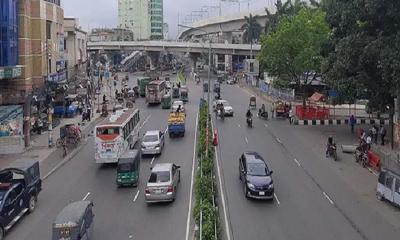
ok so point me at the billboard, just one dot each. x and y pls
(11, 120)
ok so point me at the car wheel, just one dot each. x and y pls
(245, 191)
(1, 233)
(379, 196)
(32, 204)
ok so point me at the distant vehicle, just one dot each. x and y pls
(153, 142)
(168, 84)
(128, 168)
(184, 95)
(388, 187)
(228, 109)
(175, 92)
(155, 90)
(20, 185)
(74, 222)
(115, 134)
(166, 101)
(255, 176)
(176, 124)
(176, 104)
(142, 83)
(163, 183)
(230, 81)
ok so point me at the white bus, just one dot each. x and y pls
(155, 90)
(115, 134)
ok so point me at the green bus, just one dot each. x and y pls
(142, 83)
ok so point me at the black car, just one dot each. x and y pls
(255, 176)
(20, 185)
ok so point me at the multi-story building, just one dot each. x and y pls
(110, 34)
(74, 47)
(143, 17)
(165, 31)
(156, 19)
(135, 16)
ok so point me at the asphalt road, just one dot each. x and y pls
(120, 213)
(315, 198)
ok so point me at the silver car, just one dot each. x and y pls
(163, 183)
(153, 142)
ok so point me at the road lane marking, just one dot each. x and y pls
(192, 180)
(297, 162)
(152, 160)
(136, 196)
(266, 125)
(165, 131)
(238, 125)
(278, 140)
(144, 122)
(86, 196)
(247, 141)
(329, 199)
(227, 228)
(277, 200)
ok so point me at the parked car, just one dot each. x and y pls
(227, 107)
(388, 187)
(255, 176)
(20, 185)
(153, 142)
(163, 183)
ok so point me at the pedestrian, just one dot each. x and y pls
(290, 116)
(369, 141)
(116, 93)
(382, 133)
(374, 134)
(89, 112)
(104, 98)
(272, 110)
(352, 123)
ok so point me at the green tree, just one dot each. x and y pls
(252, 30)
(292, 51)
(362, 56)
(282, 10)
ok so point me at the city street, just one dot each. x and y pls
(120, 213)
(315, 197)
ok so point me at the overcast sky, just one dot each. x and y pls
(104, 13)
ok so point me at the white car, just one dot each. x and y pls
(176, 104)
(153, 142)
(227, 107)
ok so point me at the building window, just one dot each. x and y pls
(48, 30)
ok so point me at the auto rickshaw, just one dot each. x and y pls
(74, 222)
(166, 101)
(253, 102)
(184, 95)
(131, 95)
(128, 168)
(281, 109)
(175, 92)
(205, 87)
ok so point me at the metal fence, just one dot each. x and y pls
(389, 159)
(284, 94)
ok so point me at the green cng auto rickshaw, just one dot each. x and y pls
(205, 87)
(175, 92)
(128, 168)
(166, 101)
(74, 222)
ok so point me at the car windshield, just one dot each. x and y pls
(124, 167)
(159, 177)
(150, 138)
(257, 169)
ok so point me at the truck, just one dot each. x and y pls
(176, 124)
(20, 185)
(142, 84)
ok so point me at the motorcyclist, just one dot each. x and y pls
(261, 111)
(249, 114)
(329, 145)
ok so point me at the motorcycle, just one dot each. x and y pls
(361, 156)
(263, 115)
(332, 152)
(221, 114)
(249, 121)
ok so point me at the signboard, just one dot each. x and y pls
(10, 72)
(81, 91)
(56, 77)
(11, 120)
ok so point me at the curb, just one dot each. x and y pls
(74, 152)
(340, 122)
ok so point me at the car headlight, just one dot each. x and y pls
(271, 186)
(250, 185)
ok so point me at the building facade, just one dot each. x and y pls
(74, 47)
(135, 16)
(156, 19)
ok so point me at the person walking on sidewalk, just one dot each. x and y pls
(290, 116)
(382, 133)
(272, 110)
(352, 123)
(374, 133)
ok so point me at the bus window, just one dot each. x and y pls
(107, 131)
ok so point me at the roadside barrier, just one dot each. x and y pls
(374, 160)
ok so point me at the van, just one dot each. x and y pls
(389, 187)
